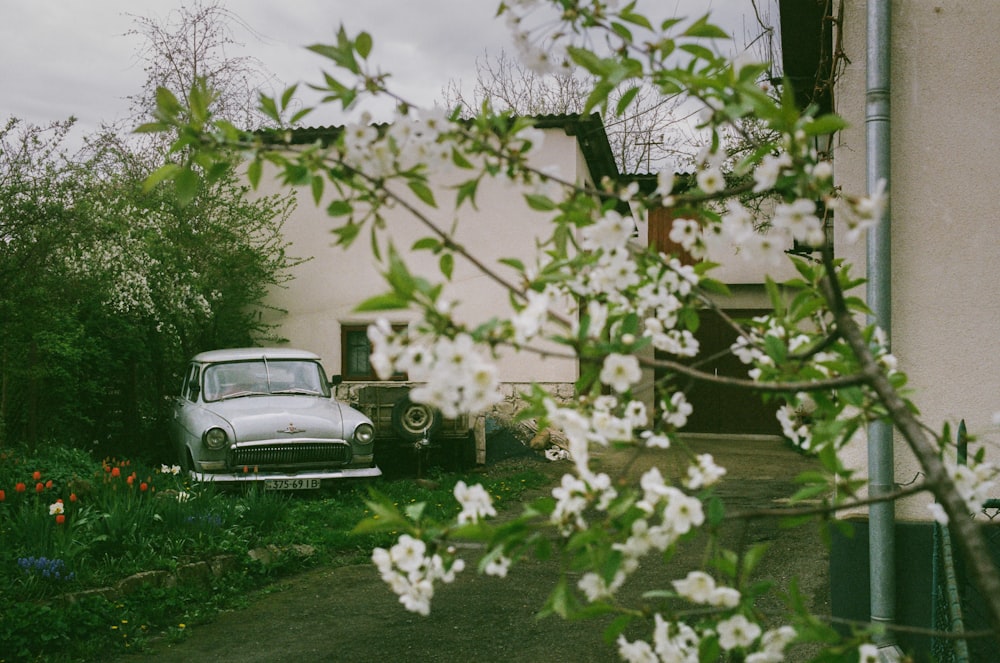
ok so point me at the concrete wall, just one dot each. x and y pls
(945, 240)
(325, 290)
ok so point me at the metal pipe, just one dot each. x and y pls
(882, 517)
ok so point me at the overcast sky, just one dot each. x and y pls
(63, 58)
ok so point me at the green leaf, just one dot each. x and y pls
(621, 30)
(753, 557)
(295, 119)
(709, 649)
(825, 124)
(422, 191)
(774, 293)
(164, 172)
(415, 511)
(151, 128)
(775, 348)
(347, 233)
(427, 244)
(254, 171)
(288, 95)
(387, 302)
(702, 29)
(188, 184)
(467, 191)
(269, 108)
(167, 106)
(513, 262)
(339, 208)
(588, 60)
(625, 100)
(716, 511)
(699, 52)
(363, 45)
(539, 202)
(316, 185)
(447, 264)
(561, 600)
(598, 96)
(635, 19)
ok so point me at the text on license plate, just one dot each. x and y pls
(291, 484)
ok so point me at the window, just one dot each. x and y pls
(190, 389)
(355, 350)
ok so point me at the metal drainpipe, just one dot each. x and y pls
(882, 518)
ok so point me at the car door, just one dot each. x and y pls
(185, 409)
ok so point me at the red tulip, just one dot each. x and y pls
(48, 484)
(143, 486)
(37, 475)
(39, 487)
(20, 487)
(3, 496)
(115, 472)
(60, 518)
(72, 497)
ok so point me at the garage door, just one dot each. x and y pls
(724, 409)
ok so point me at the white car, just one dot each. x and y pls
(266, 414)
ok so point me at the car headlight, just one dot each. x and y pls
(364, 434)
(215, 439)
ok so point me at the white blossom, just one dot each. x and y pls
(620, 371)
(737, 631)
(475, 502)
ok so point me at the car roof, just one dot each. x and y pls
(245, 354)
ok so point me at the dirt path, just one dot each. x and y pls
(347, 614)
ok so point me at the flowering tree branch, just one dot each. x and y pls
(590, 294)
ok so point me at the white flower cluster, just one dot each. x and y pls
(574, 495)
(975, 482)
(677, 642)
(476, 503)
(408, 141)
(455, 376)
(671, 514)
(703, 473)
(699, 587)
(170, 469)
(411, 572)
(601, 422)
(538, 56)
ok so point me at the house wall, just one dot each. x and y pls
(326, 289)
(945, 257)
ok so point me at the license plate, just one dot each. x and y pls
(291, 484)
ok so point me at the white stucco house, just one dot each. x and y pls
(919, 86)
(317, 310)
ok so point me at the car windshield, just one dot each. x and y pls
(263, 377)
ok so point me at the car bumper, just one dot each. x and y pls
(241, 477)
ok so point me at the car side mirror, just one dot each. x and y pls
(335, 380)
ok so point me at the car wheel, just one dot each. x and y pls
(413, 421)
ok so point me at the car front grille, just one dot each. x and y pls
(290, 455)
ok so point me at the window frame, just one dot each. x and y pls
(347, 329)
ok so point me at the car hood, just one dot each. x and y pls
(282, 417)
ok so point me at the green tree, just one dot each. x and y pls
(108, 289)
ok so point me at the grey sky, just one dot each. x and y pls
(63, 58)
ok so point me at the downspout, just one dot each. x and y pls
(882, 517)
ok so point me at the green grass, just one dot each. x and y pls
(70, 523)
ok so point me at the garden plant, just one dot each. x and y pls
(607, 304)
(99, 556)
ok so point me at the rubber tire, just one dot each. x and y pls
(413, 421)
